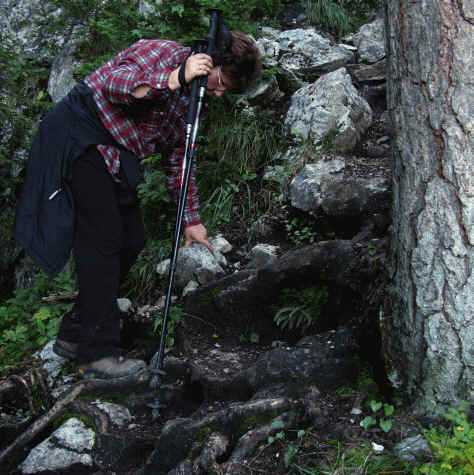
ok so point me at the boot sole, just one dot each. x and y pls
(64, 352)
(94, 374)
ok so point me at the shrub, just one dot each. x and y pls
(453, 448)
(26, 323)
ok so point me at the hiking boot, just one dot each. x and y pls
(66, 349)
(111, 367)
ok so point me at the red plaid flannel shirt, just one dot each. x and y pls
(154, 123)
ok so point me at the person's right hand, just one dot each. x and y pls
(199, 64)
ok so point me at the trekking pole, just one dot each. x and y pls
(192, 126)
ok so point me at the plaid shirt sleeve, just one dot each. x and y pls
(173, 184)
(143, 64)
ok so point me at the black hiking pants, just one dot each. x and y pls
(108, 236)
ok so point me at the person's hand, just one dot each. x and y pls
(197, 233)
(199, 64)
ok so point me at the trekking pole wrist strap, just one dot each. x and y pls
(182, 74)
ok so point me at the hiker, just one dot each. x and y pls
(80, 193)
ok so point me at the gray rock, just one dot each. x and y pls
(370, 41)
(149, 8)
(308, 54)
(69, 445)
(261, 255)
(353, 197)
(162, 267)
(195, 262)
(305, 188)
(61, 79)
(264, 93)
(368, 72)
(20, 23)
(52, 362)
(190, 287)
(259, 230)
(124, 305)
(412, 448)
(330, 109)
(118, 415)
(219, 243)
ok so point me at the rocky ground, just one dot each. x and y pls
(201, 385)
(238, 397)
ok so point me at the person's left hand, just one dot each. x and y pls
(197, 233)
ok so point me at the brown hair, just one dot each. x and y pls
(242, 62)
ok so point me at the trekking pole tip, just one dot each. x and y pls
(154, 382)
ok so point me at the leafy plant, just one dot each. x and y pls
(293, 317)
(304, 310)
(384, 417)
(175, 316)
(453, 448)
(298, 233)
(330, 15)
(26, 323)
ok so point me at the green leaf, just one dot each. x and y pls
(385, 424)
(388, 409)
(368, 422)
(375, 405)
(254, 337)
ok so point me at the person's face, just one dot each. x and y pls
(218, 83)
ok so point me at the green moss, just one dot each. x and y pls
(198, 440)
(202, 434)
(252, 421)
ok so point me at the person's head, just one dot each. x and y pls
(238, 67)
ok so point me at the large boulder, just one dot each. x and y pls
(20, 22)
(324, 186)
(370, 41)
(68, 446)
(330, 110)
(301, 54)
(306, 188)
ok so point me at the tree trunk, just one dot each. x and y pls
(427, 325)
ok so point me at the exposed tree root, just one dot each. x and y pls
(42, 422)
(100, 419)
(249, 441)
(91, 385)
(215, 446)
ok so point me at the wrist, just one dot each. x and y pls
(173, 80)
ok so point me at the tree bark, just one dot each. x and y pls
(427, 325)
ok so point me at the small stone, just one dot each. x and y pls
(377, 448)
(124, 305)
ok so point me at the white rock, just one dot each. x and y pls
(118, 414)
(377, 448)
(70, 444)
